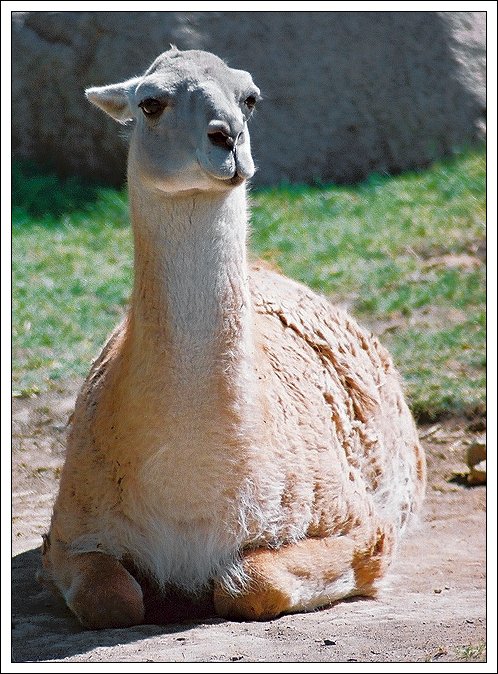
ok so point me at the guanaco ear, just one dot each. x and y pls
(114, 99)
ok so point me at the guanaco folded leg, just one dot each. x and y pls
(99, 590)
(306, 575)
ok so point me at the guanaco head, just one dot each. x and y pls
(189, 113)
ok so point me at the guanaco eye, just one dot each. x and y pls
(151, 107)
(250, 102)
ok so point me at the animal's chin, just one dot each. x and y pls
(236, 180)
(228, 175)
(228, 181)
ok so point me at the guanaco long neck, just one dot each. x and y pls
(190, 310)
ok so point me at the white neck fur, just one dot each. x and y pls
(191, 295)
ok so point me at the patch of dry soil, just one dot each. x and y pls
(432, 608)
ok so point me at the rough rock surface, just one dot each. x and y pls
(477, 474)
(476, 451)
(476, 461)
(346, 93)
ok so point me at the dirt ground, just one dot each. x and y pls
(433, 608)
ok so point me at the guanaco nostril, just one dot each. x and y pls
(221, 139)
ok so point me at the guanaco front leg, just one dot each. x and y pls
(306, 575)
(99, 590)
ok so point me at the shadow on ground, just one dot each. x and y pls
(36, 610)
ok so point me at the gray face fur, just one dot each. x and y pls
(190, 111)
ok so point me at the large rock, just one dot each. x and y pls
(346, 93)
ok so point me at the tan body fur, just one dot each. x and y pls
(238, 436)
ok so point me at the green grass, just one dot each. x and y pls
(72, 267)
(472, 652)
(400, 252)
